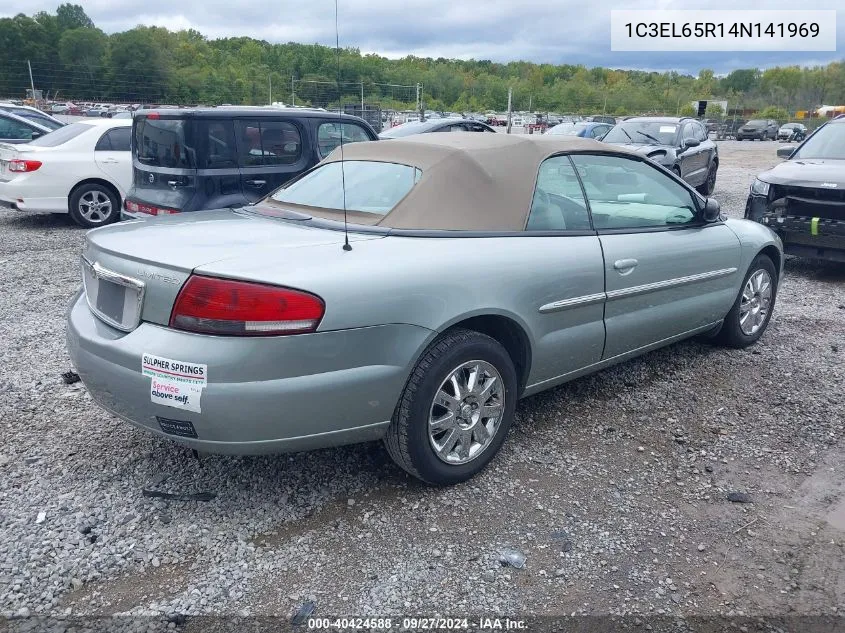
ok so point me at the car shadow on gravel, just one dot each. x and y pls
(40, 221)
(627, 377)
(815, 269)
(367, 466)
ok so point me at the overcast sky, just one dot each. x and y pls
(555, 31)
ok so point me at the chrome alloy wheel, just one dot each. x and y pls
(466, 412)
(95, 206)
(756, 302)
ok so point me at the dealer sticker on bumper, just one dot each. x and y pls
(175, 383)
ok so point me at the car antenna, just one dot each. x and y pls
(346, 245)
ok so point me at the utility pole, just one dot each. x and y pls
(530, 97)
(362, 99)
(292, 92)
(604, 109)
(31, 82)
(510, 100)
(420, 106)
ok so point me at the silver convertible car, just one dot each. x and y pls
(479, 269)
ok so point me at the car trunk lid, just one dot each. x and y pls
(151, 260)
(10, 152)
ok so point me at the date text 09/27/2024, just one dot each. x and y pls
(416, 624)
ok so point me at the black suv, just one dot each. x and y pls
(210, 158)
(803, 198)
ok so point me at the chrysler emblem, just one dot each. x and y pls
(152, 178)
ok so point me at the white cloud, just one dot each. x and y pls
(555, 31)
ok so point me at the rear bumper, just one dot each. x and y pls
(268, 395)
(28, 197)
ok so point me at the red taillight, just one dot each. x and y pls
(242, 308)
(23, 166)
(137, 207)
(153, 116)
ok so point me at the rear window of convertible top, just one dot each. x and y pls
(371, 187)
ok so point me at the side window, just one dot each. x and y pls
(119, 138)
(476, 127)
(700, 132)
(249, 143)
(558, 202)
(626, 193)
(104, 144)
(220, 145)
(15, 130)
(280, 143)
(330, 134)
(599, 131)
(688, 132)
(458, 127)
(268, 142)
(116, 140)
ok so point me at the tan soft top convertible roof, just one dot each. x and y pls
(470, 181)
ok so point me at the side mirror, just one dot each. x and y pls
(691, 142)
(712, 210)
(786, 151)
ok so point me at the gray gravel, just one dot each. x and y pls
(613, 487)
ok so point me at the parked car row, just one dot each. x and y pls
(268, 146)
(87, 171)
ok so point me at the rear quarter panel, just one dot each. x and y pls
(437, 282)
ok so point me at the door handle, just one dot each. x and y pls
(176, 183)
(109, 161)
(256, 183)
(625, 266)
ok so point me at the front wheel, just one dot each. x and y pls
(456, 409)
(750, 315)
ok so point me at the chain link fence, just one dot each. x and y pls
(382, 104)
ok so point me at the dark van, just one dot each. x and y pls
(211, 158)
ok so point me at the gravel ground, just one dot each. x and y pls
(614, 487)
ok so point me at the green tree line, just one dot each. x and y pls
(72, 59)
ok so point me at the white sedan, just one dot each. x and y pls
(84, 169)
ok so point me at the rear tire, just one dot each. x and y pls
(93, 204)
(750, 315)
(448, 443)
